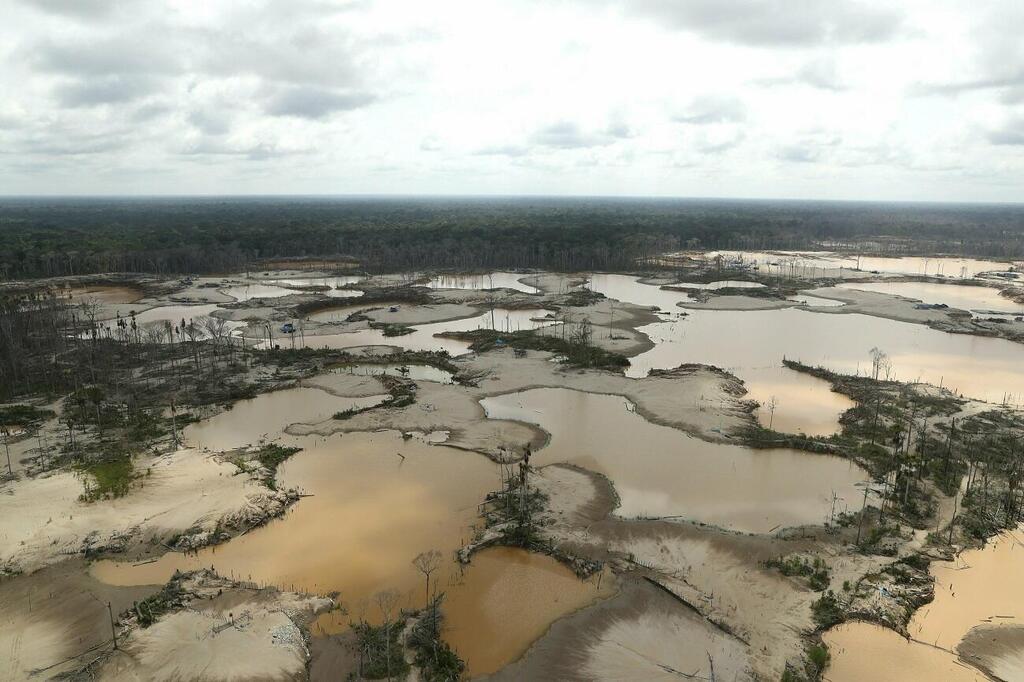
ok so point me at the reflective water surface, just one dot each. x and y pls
(493, 280)
(963, 296)
(659, 471)
(981, 367)
(245, 292)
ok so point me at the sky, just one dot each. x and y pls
(919, 100)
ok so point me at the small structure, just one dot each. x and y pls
(288, 328)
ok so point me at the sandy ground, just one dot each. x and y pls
(739, 303)
(996, 649)
(227, 632)
(718, 573)
(640, 634)
(44, 520)
(50, 617)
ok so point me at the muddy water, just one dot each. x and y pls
(986, 368)
(506, 599)
(980, 586)
(423, 339)
(627, 289)
(494, 280)
(245, 292)
(662, 472)
(414, 372)
(865, 651)
(371, 511)
(963, 296)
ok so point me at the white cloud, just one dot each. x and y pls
(638, 97)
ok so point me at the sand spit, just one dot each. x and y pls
(221, 630)
(45, 520)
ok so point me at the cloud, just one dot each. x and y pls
(798, 153)
(1009, 134)
(78, 9)
(119, 56)
(503, 150)
(312, 102)
(768, 23)
(712, 109)
(104, 90)
(568, 135)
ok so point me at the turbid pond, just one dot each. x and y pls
(661, 472)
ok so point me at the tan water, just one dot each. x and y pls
(864, 652)
(659, 471)
(627, 289)
(980, 367)
(963, 296)
(493, 280)
(506, 599)
(981, 586)
(423, 339)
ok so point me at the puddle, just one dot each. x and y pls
(865, 651)
(245, 292)
(103, 294)
(494, 280)
(414, 372)
(986, 368)
(963, 296)
(627, 289)
(660, 471)
(506, 599)
(423, 339)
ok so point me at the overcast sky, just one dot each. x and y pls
(915, 100)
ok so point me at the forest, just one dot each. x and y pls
(45, 237)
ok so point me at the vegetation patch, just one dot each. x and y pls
(107, 478)
(271, 456)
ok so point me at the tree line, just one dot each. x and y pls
(55, 237)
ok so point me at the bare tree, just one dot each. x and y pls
(426, 563)
(386, 602)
